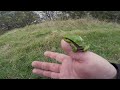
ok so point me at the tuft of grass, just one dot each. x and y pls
(20, 47)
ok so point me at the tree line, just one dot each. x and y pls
(16, 19)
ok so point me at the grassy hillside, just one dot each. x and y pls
(19, 47)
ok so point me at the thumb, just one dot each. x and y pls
(66, 47)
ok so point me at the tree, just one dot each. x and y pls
(113, 16)
(15, 19)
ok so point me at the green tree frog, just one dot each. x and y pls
(76, 42)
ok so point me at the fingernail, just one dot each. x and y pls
(33, 63)
(34, 71)
(46, 53)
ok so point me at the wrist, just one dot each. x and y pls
(116, 76)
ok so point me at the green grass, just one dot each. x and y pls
(19, 47)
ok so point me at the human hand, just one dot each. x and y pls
(80, 65)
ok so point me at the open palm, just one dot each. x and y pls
(80, 65)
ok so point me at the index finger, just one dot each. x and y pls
(59, 57)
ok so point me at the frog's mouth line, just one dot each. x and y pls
(79, 48)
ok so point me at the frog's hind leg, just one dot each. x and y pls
(80, 49)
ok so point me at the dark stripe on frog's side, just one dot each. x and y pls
(79, 48)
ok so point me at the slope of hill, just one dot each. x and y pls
(19, 47)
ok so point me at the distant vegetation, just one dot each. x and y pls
(16, 19)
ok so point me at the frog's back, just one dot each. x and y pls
(77, 39)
